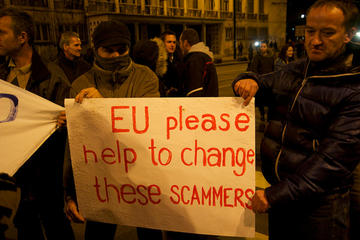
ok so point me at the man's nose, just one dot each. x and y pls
(115, 54)
(317, 39)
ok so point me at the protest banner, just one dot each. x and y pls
(26, 121)
(179, 164)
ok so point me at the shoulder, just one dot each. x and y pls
(84, 81)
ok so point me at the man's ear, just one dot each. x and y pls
(23, 37)
(350, 34)
(187, 44)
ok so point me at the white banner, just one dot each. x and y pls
(26, 121)
(179, 164)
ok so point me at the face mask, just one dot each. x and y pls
(112, 64)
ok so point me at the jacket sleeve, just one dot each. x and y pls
(265, 81)
(327, 168)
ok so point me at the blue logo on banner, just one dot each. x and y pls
(13, 107)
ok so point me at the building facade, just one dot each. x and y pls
(213, 19)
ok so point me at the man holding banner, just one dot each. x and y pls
(309, 156)
(113, 75)
(40, 211)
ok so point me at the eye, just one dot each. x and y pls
(328, 33)
(109, 50)
(310, 31)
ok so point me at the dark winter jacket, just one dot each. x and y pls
(312, 147)
(200, 77)
(262, 64)
(72, 69)
(171, 84)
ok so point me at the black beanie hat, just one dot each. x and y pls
(110, 33)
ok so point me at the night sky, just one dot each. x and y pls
(294, 10)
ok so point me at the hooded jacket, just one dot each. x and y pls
(312, 147)
(200, 77)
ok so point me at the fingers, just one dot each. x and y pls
(259, 202)
(87, 93)
(61, 120)
(246, 89)
(72, 212)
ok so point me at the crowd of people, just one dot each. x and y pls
(309, 152)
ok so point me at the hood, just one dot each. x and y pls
(161, 63)
(200, 47)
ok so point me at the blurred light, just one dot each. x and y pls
(293, 29)
(257, 43)
(358, 34)
(302, 16)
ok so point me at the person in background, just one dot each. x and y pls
(250, 55)
(262, 63)
(69, 57)
(200, 77)
(171, 84)
(286, 56)
(151, 53)
(40, 214)
(113, 75)
(310, 154)
(240, 50)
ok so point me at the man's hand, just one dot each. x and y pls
(259, 202)
(72, 212)
(246, 88)
(61, 120)
(87, 93)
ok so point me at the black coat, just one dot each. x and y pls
(195, 84)
(313, 145)
(171, 84)
(72, 69)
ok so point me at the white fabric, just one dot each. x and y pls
(23, 128)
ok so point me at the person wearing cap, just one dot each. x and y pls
(113, 75)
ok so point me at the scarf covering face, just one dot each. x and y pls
(113, 64)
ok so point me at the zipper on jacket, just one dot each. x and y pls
(284, 130)
(315, 144)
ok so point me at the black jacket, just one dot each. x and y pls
(72, 69)
(171, 84)
(200, 77)
(313, 145)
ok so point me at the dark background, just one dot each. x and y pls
(294, 10)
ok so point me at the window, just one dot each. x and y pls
(250, 6)
(240, 33)
(229, 33)
(193, 4)
(238, 6)
(252, 33)
(42, 32)
(263, 33)
(176, 3)
(261, 6)
(210, 5)
(225, 5)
